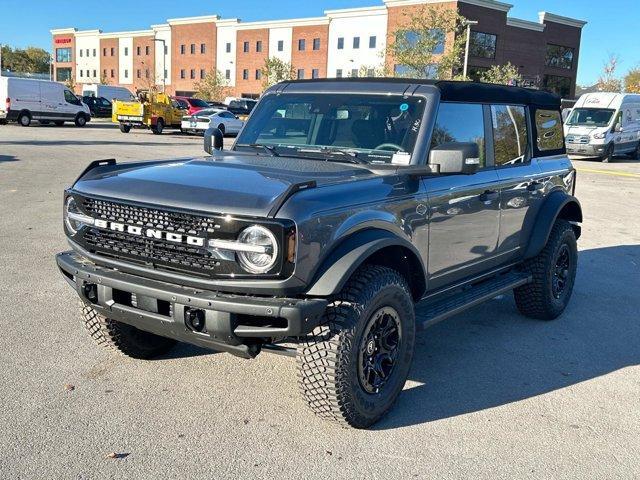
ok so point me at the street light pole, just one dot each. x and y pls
(164, 64)
(468, 24)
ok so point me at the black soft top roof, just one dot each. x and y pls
(454, 91)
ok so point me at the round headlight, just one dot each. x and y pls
(70, 206)
(264, 255)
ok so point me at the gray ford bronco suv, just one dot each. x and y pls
(341, 204)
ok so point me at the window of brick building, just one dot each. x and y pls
(126, 74)
(316, 44)
(138, 75)
(147, 50)
(113, 73)
(104, 52)
(245, 47)
(228, 48)
(193, 49)
(300, 73)
(203, 48)
(137, 51)
(341, 43)
(302, 45)
(259, 46)
(182, 49)
(245, 74)
(113, 51)
(339, 73)
(356, 43)
(482, 45)
(258, 74)
(193, 74)
(183, 74)
(315, 73)
(354, 73)
(280, 45)
(559, 56)
(227, 74)
(203, 73)
(372, 41)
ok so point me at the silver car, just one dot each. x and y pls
(197, 123)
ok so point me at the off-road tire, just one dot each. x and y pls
(123, 338)
(81, 120)
(158, 128)
(328, 368)
(125, 128)
(536, 299)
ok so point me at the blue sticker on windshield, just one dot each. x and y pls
(404, 107)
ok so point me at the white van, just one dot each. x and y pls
(107, 91)
(41, 100)
(603, 125)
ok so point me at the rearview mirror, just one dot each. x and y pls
(456, 157)
(213, 140)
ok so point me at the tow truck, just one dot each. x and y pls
(153, 110)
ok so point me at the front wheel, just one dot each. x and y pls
(123, 338)
(125, 128)
(353, 367)
(608, 155)
(636, 153)
(81, 120)
(553, 273)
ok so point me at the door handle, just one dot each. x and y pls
(489, 196)
(535, 186)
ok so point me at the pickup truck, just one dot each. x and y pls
(156, 111)
(340, 206)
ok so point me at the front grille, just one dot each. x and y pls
(160, 253)
(582, 139)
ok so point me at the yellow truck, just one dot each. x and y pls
(156, 111)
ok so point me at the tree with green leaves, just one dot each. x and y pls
(632, 81)
(213, 86)
(275, 71)
(506, 74)
(28, 60)
(429, 43)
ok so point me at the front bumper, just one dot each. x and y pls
(237, 324)
(586, 150)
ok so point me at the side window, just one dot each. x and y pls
(549, 128)
(71, 98)
(510, 136)
(460, 122)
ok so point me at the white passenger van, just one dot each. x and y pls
(26, 100)
(107, 91)
(603, 125)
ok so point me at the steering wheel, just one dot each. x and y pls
(389, 146)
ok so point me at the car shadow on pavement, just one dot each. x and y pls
(491, 356)
(8, 158)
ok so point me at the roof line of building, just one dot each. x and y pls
(544, 17)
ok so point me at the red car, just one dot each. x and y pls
(193, 104)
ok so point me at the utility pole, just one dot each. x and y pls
(468, 23)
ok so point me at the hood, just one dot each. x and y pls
(227, 183)
(581, 129)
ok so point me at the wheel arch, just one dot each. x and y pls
(370, 246)
(559, 205)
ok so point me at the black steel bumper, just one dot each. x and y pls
(237, 324)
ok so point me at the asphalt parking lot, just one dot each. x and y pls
(491, 394)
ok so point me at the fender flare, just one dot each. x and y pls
(352, 252)
(559, 204)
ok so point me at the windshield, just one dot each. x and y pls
(592, 117)
(196, 102)
(370, 127)
(208, 111)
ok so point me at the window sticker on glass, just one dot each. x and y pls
(404, 107)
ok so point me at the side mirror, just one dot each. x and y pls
(617, 128)
(213, 140)
(456, 157)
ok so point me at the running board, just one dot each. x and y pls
(432, 313)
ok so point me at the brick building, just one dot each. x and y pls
(341, 43)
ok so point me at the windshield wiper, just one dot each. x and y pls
(270, 149)
(353, 155)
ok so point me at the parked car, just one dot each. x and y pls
(194, 104)
(219, 105)
(109, 92)
(603, 125)
(224, 120)
(41, 100)
(340, 205)
(153, 110)
(241, 107)
(98, 106)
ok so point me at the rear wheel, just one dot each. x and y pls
(125, 128)
(553, 272)
(353, 367)
(123, 338)
(222, 129)
(636, 153)
(158, 128)
(80, 120)
(24, 119)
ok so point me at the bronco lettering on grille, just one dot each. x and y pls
(150, 233)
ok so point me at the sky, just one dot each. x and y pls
(25, 23)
